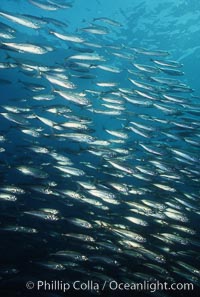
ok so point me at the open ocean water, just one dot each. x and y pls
(99, 148)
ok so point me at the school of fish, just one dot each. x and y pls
(99, 155)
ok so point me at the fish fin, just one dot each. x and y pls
(8, 56)
(52, 90)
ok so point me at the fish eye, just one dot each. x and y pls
(160, 259)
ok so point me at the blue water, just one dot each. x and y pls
(166, 26)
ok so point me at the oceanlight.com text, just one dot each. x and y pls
(57, 285)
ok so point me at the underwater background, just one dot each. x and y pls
(99, 146)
